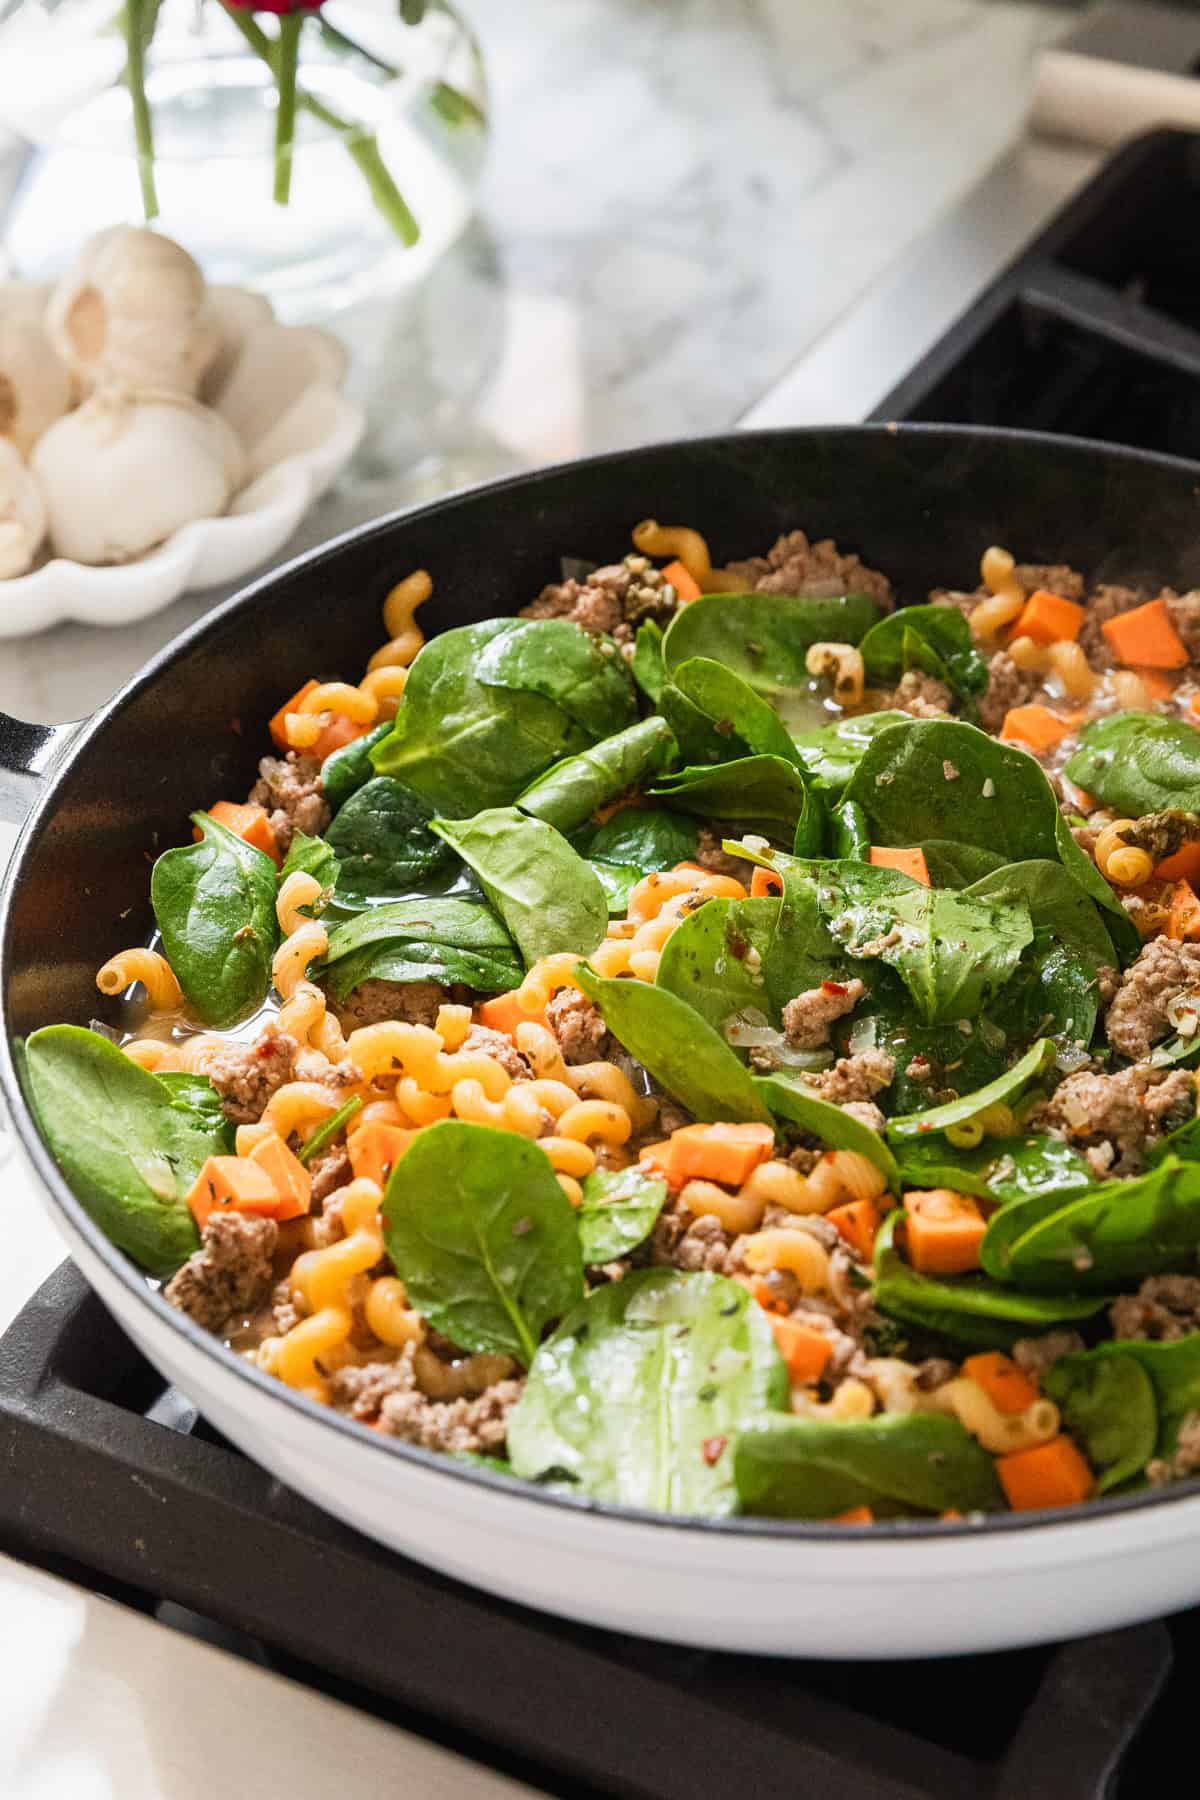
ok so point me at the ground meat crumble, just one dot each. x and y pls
(1137, 1017)
(290, 789)
(230, 1274)
(793, 565)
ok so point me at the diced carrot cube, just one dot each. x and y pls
(858, 1222)
(1145, 638)
(232, 1184)
(724, 1153)
(278, 725)
(1183, 865)
(292, 1181)
(909, 862)
(250, 823)
(767, 1298)
(944, 1231)
(1183, 920)
(1037, 726)
(1157, 685)
(1049, 619)
(1004, 1382)
(376, 1149)
(656, 1158)
(682, 580)
(804, 1350)
(1053, 1474)
(503, 1012)
(854, 1515)
(765, 884)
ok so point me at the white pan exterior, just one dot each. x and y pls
(833, 1591)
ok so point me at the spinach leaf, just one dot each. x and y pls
(999, 800)
(618, 881)
(958, 865)
(328, 1130)
(733, 706)
(967, 1309)
(198, 1100)
(683, 1054)
(1056, 903)
(617, 1212)
(421, 940)
(350, 768)
(700, 739)
(850, 839)
(730, 955)
(1139, 762)
(1108, 1405)
(895, 1463)
(1036, 1060)
(647, 663)
(215, 906)
(310, 856)
(1114, 1234)
(955, 1062)
(383, 842)
(568, 794)
(645, 837)
(760, 794)
(546, 894)
(1002, 1169)
(129, 1146)
(832, 753)
(764, 638)
(1174, 1371)
(941, 644)
(635, 1396)
(482, 1236)
(464, 746)
(1054, 993)
(1081, 868)
(584, 675)
(789, 1099)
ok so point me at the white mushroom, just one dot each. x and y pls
(126, 470)
(276, 365)
(35, 387)
(234, 313)
(132, 311)
(22, 514)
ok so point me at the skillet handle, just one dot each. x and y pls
(27, 755)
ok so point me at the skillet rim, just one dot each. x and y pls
(883, 1533)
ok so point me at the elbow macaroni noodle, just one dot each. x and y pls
(147, 966)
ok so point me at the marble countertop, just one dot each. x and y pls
(683, 197)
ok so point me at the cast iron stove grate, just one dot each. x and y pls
(110, 1470)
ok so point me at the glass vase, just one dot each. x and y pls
(391, 130)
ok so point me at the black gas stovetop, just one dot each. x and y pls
(112, 1480)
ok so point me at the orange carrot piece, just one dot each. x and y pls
(232, 1184)
(944, 1231)
(1183, 920)
(250, 823)
(1037, 727)
(766, 1296)
(1157, 685)
(1184, 865)
(804, 1350)
(1145, 638)
(339, 731)
(657, 1158)
(682, 580)
(376, 1149)
(1053, 1474)
(1049, 619)
(278, 725)
(503, 1012)
(909, 862)
(291, 1179)
(724, 1153)
(854, 1515)
(1004, 1382)
(858, 1222)
(765, 883)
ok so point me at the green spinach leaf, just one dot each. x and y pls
(197, 1098)
(129, 1144)
(618, 881)
(1139, 762)
(1081, 868)
(617, 1213)
(547, 895)
(1004, 1169)
(850, 839)
(958, 865)
(1036, 1060)
(647, 664)
(568, 794)
(1108, 1405)
(350, 768)
(636, 1395)
(311, 856)
(941, 644)
(1174, 1371)
(483, 1237)
(421, 940)
(895, 1463)
(383, 842)
(832, 753)
(584, 675)
(760, 794)
(734, 955)
(464, 746)
(1056, 903)
(734, 706)
(789, 1099)
(701, 740)
(647, 838)
(683, 1054)
(215, 906)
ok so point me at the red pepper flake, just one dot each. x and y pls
(833, 987)
(712, 1448)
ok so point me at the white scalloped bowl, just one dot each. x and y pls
(322, 433)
